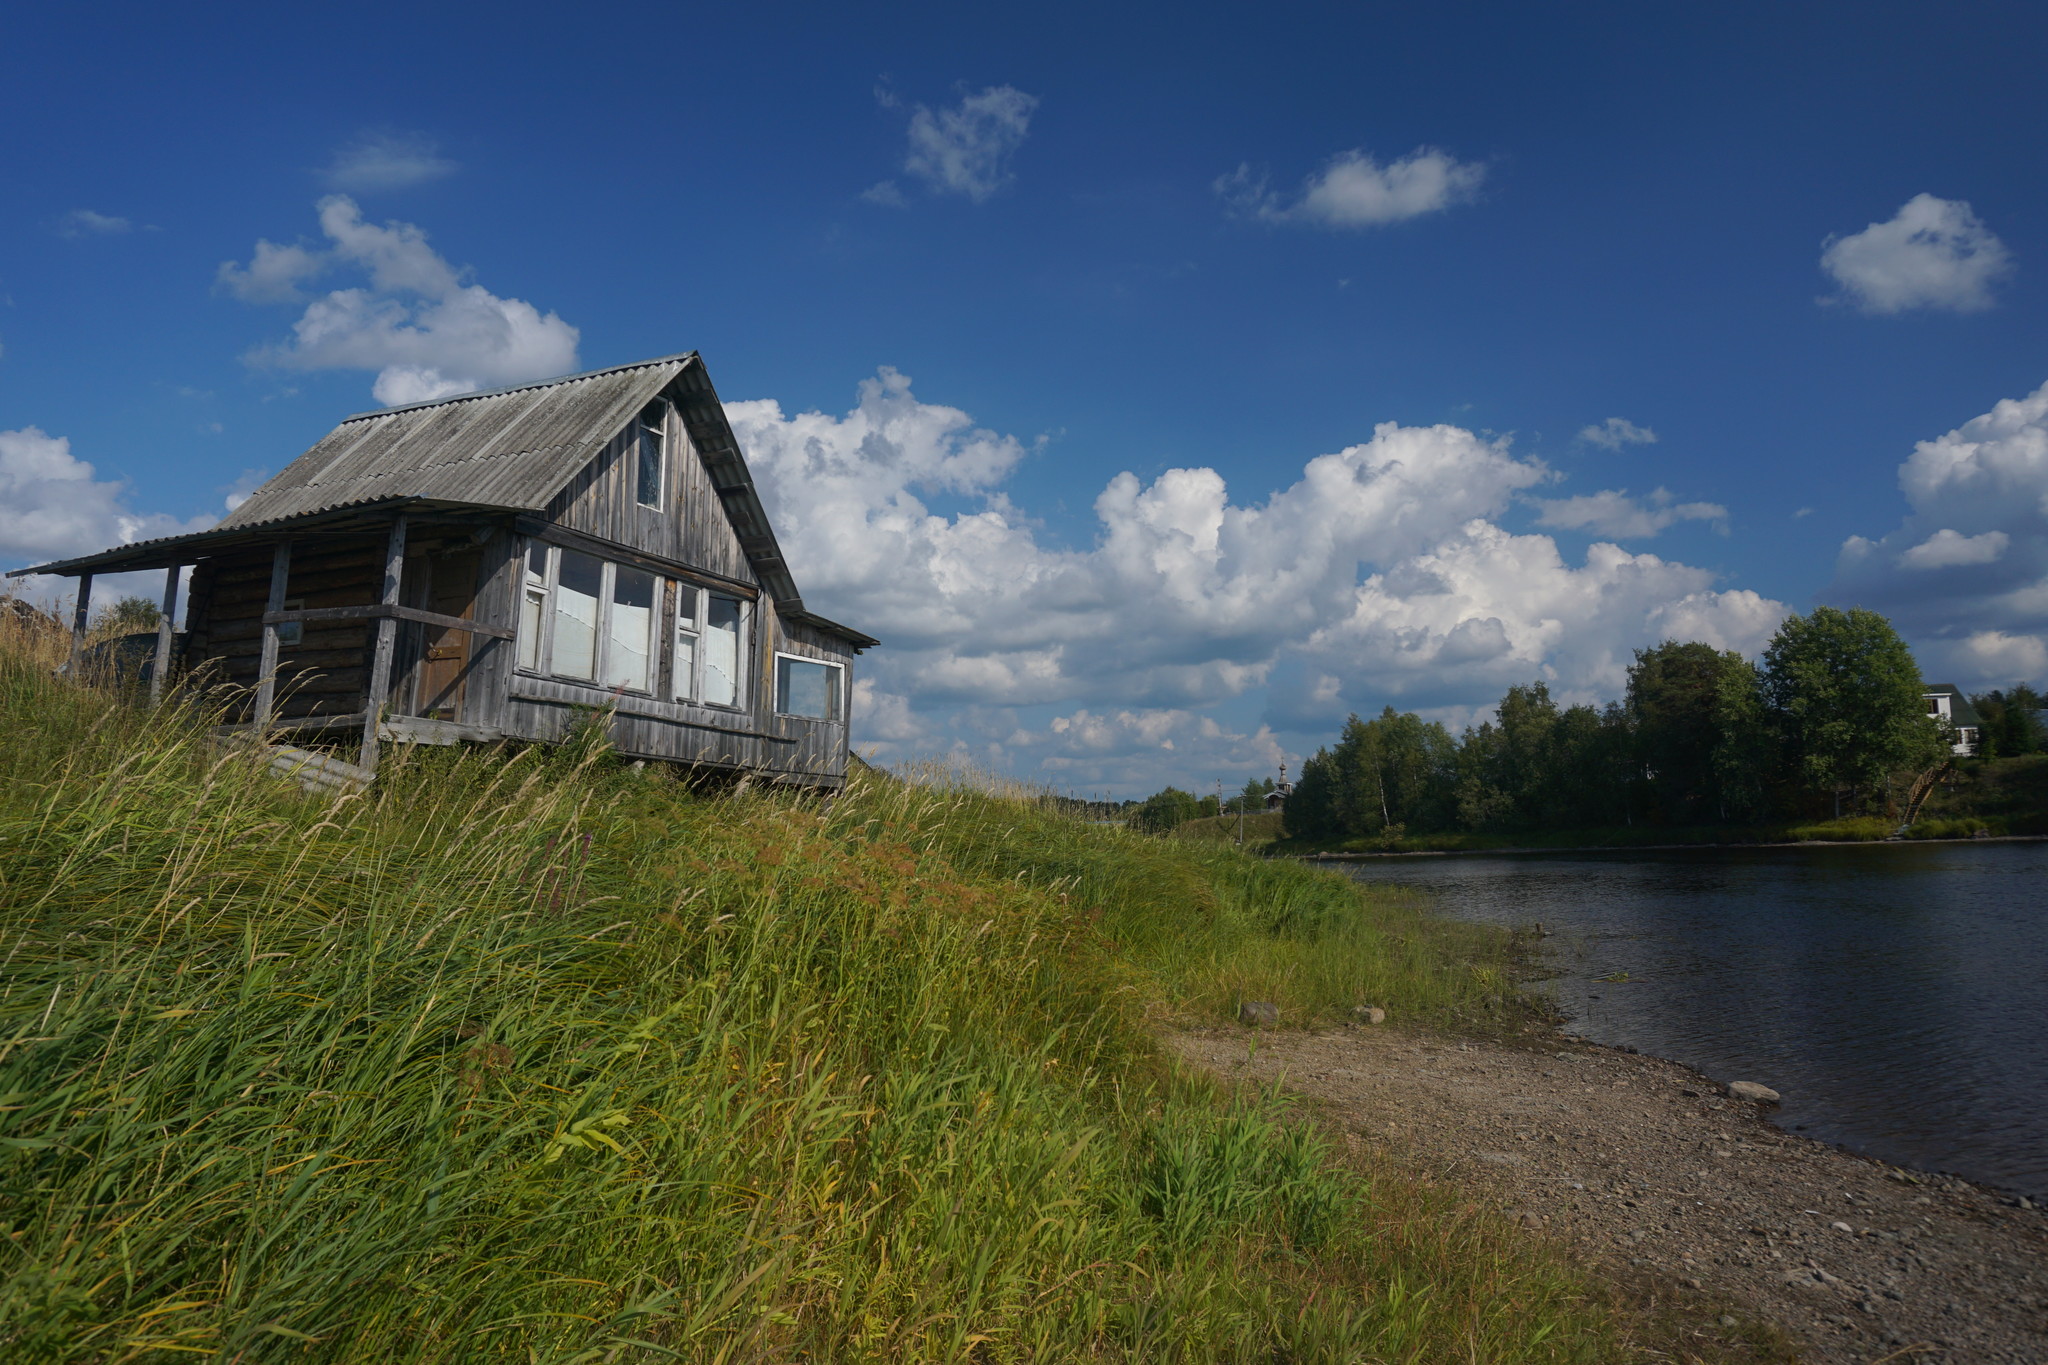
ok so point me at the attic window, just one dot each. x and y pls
(651, 450)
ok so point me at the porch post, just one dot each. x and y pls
(266, 663)
(163, 635)
(379, 687)
(78, 619)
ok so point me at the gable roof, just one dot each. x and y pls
(1960, 712)
(512, 448)
(508, 449)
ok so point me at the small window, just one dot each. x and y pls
(651, 472)
(533, 605)
(723, 632)
(292, 632)
(805, 687)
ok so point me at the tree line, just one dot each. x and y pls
(1831, 722)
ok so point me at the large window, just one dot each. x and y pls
(723, 622)
(595, 621)
(629, 631)
(586, 618)
(579, 587)
(711, 650)
(650, 472)
(807, 688)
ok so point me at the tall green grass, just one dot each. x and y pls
(531, 1057)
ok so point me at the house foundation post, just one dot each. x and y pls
(163, 635)
(79, 615)
(379, 688)
(266, 664)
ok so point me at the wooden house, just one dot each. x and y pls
(1946, 702)
(498, 564)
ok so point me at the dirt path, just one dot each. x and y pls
(1645, 1166)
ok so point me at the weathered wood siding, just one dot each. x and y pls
(690, 732)
(690, 536)
(322, 675)
(691, 528)
(326, 673)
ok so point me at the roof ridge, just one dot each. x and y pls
(518, 388)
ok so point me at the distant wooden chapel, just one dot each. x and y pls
(495, 565)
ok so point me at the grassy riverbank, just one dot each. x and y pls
(534, 1057)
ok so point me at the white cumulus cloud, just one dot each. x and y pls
(1966, 572)
(1377, 574)
(1616, 432)
(426, 331)
(1355, 191)
(964, 150)
(1933, 253)
(387, 160)
(1613, 512)
(1946, 549)
(54, 506)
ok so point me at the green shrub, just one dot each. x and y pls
(1968, 827)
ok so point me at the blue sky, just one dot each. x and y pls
(1793, 243)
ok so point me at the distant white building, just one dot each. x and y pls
(1948, 703)
(1276, 799)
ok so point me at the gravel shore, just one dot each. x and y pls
(1651, 1170)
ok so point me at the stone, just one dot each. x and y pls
(1368, 1014)
(1256, 1012)
(1750, 1090)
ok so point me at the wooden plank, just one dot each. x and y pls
(163, 634)
(425, 730)
(266, 668)
(498, 593)
(379, 610)
(310, 724)
(556, 692)
(379, 689)
(570, 539)
(79, 615)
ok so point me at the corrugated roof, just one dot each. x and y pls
(513, 448)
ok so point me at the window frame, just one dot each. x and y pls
(742, 649)
(836, 710)
(655, 431)
(683, 685)
(548, 585)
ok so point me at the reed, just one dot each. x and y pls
(528, 1056)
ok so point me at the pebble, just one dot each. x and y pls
(1368, 1014)
(1750, 1090)
(1256, 1012)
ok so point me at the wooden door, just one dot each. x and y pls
(444, 661)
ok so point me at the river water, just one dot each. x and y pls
(1896, 995)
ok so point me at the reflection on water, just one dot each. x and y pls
(1896, 995)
